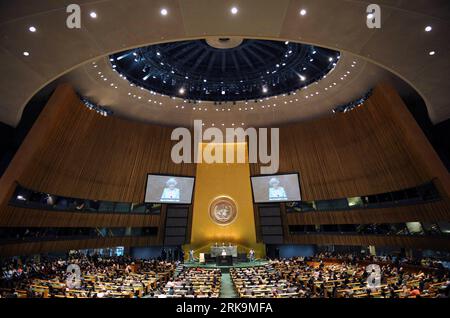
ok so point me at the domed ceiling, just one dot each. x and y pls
(224, 69)
(412, 44)
(224, 83)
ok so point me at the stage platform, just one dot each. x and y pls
(226, 267)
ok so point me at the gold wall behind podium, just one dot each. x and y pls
(230, 180)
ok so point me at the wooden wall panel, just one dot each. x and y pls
(72, 151)
(369, 150)
(30, 248)
(427, 212)
(105, 158)
(434, 243)
(17, 217)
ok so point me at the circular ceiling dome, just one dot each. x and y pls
(224, 69)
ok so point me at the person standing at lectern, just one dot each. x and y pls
(191, 256)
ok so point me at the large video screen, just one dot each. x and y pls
(169, 189)
(276, 188)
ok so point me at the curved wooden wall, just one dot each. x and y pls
(39, 247)
(416, 242)
(426, 212)
(373, 149)
(74, 152)
(94, 157)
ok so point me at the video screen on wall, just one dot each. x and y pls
(276, 188)
(169, 189)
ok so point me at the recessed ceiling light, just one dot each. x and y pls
(32, 29)
(164, 11)
(234, 10)
(93, 14)
(26, 53)
(432, 53)
(428, 28)
(302, 12)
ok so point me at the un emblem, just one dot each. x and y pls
(223, 210)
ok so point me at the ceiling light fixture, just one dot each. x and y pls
(432, 53)
(302, 12)
(93, 15)
(26, 53)
(32, 29)
(164, 11)
(428, 28)
(234, 10)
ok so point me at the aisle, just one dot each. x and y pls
(227, 288)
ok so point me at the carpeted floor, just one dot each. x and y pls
(227, 289)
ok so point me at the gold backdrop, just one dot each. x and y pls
(231, 180)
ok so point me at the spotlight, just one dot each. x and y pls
(26, 53)
(428, 28)
(181, 90)
(93, 15)
(432, 53)
(164, 11)
(370, 16)
(32, 29)
(302, 12)
(234, 10)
